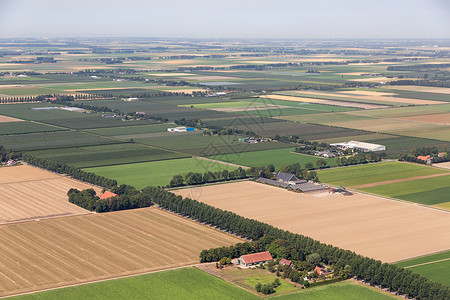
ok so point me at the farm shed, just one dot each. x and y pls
(360, 146)
(255, 259)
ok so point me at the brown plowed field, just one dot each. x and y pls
(377, 227)
(28, 193)
(443, 119)
(5, 119)
(58, 252)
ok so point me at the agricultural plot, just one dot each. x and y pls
(59, 252)
(430, 191)
(24, 127)
(6, 119)
(369, 225)
(435, 267)
(195, 143)
(277, 157)
(374, 173)
(129, 131)
(50, 140)
(157, 173)
(106, 155)
(29, 193)
(193, 284)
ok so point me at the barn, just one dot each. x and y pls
(254, 259)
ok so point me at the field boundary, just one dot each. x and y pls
(373, 184)
(427, 263)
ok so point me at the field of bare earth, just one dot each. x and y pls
(29, 193)
(64, 251)
(377, 227)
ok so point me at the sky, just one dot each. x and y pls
(226, 19)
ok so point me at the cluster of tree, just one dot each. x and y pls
(297, 247)
(127, 198)
(435, 155)
(297, 170)
(268, 288)
(37, 60)
(192, 178)
(42, 98)
(7, 154)
(418, 67)
(360, 158)
(424, 82)
(62, 168)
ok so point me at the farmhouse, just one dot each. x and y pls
(368, 147)
(320, 271)
(286, 262)
(326, 153)
(131, 99)
(107, 195)
(288, 178)
(426, 158)
(255, 259)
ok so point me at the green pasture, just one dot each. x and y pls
(304, 105)
(277, 157)
(157, 173)
(435, 267)
(277, 112)
(131, 130)
(429, 191)
(105, 155)
(219, 105)
(375, 172)
(192, 283)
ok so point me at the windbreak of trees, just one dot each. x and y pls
(127, 198)
(76, 173)
(360, 158)
(435, 155)
(192, 178)
(7, 154)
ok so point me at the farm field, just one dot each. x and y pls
(430, 191)
(157, 173)
(277, 157)
(106, 155)
(30, 193)
(435, 267)
(192, 283)
(6, 119)
(366, 224)
(376, 172)
(26, 127)
(58, 252)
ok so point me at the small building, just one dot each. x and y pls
(286, 177)
(426, 158)
(320, 271)
(255, 259)
(243, 140)
(107, 195)
(286, 262)
(326, 153)
(131, 99)
(11, 162)
(180, 129)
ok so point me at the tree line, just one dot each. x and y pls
(193, 178)
(435, 155)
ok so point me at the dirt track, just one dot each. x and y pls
(384, 229)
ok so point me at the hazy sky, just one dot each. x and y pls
(226, 18)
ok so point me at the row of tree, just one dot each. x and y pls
(360, 158)
(127, 198)
(7, 154)
(297, 247)
(74, 172)
(192, 178)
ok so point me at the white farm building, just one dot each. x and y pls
(360, 146)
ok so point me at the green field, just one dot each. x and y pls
(26, 127)
(157, 173)
(131, 130)
(370, 173)
(191, 283)
(277, 157)
(105, 155)
(428, 191)
(435, 267)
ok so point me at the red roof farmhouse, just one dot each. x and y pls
(255, 258)
(107, 195)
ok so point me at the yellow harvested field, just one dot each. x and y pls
(5, 119)
(377, 227)
(415, 88)
(64, 251)
(445, 165)
(373, 79)
(29, 193)
(292, 98)
(213, 77)
(187, 91)
(442, 119)
(170, 74)
(366, 93)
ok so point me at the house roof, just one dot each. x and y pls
(285, 176)
(319, 270)
(256, 257)
(285, 262)
(107, 195)
(424, 158)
